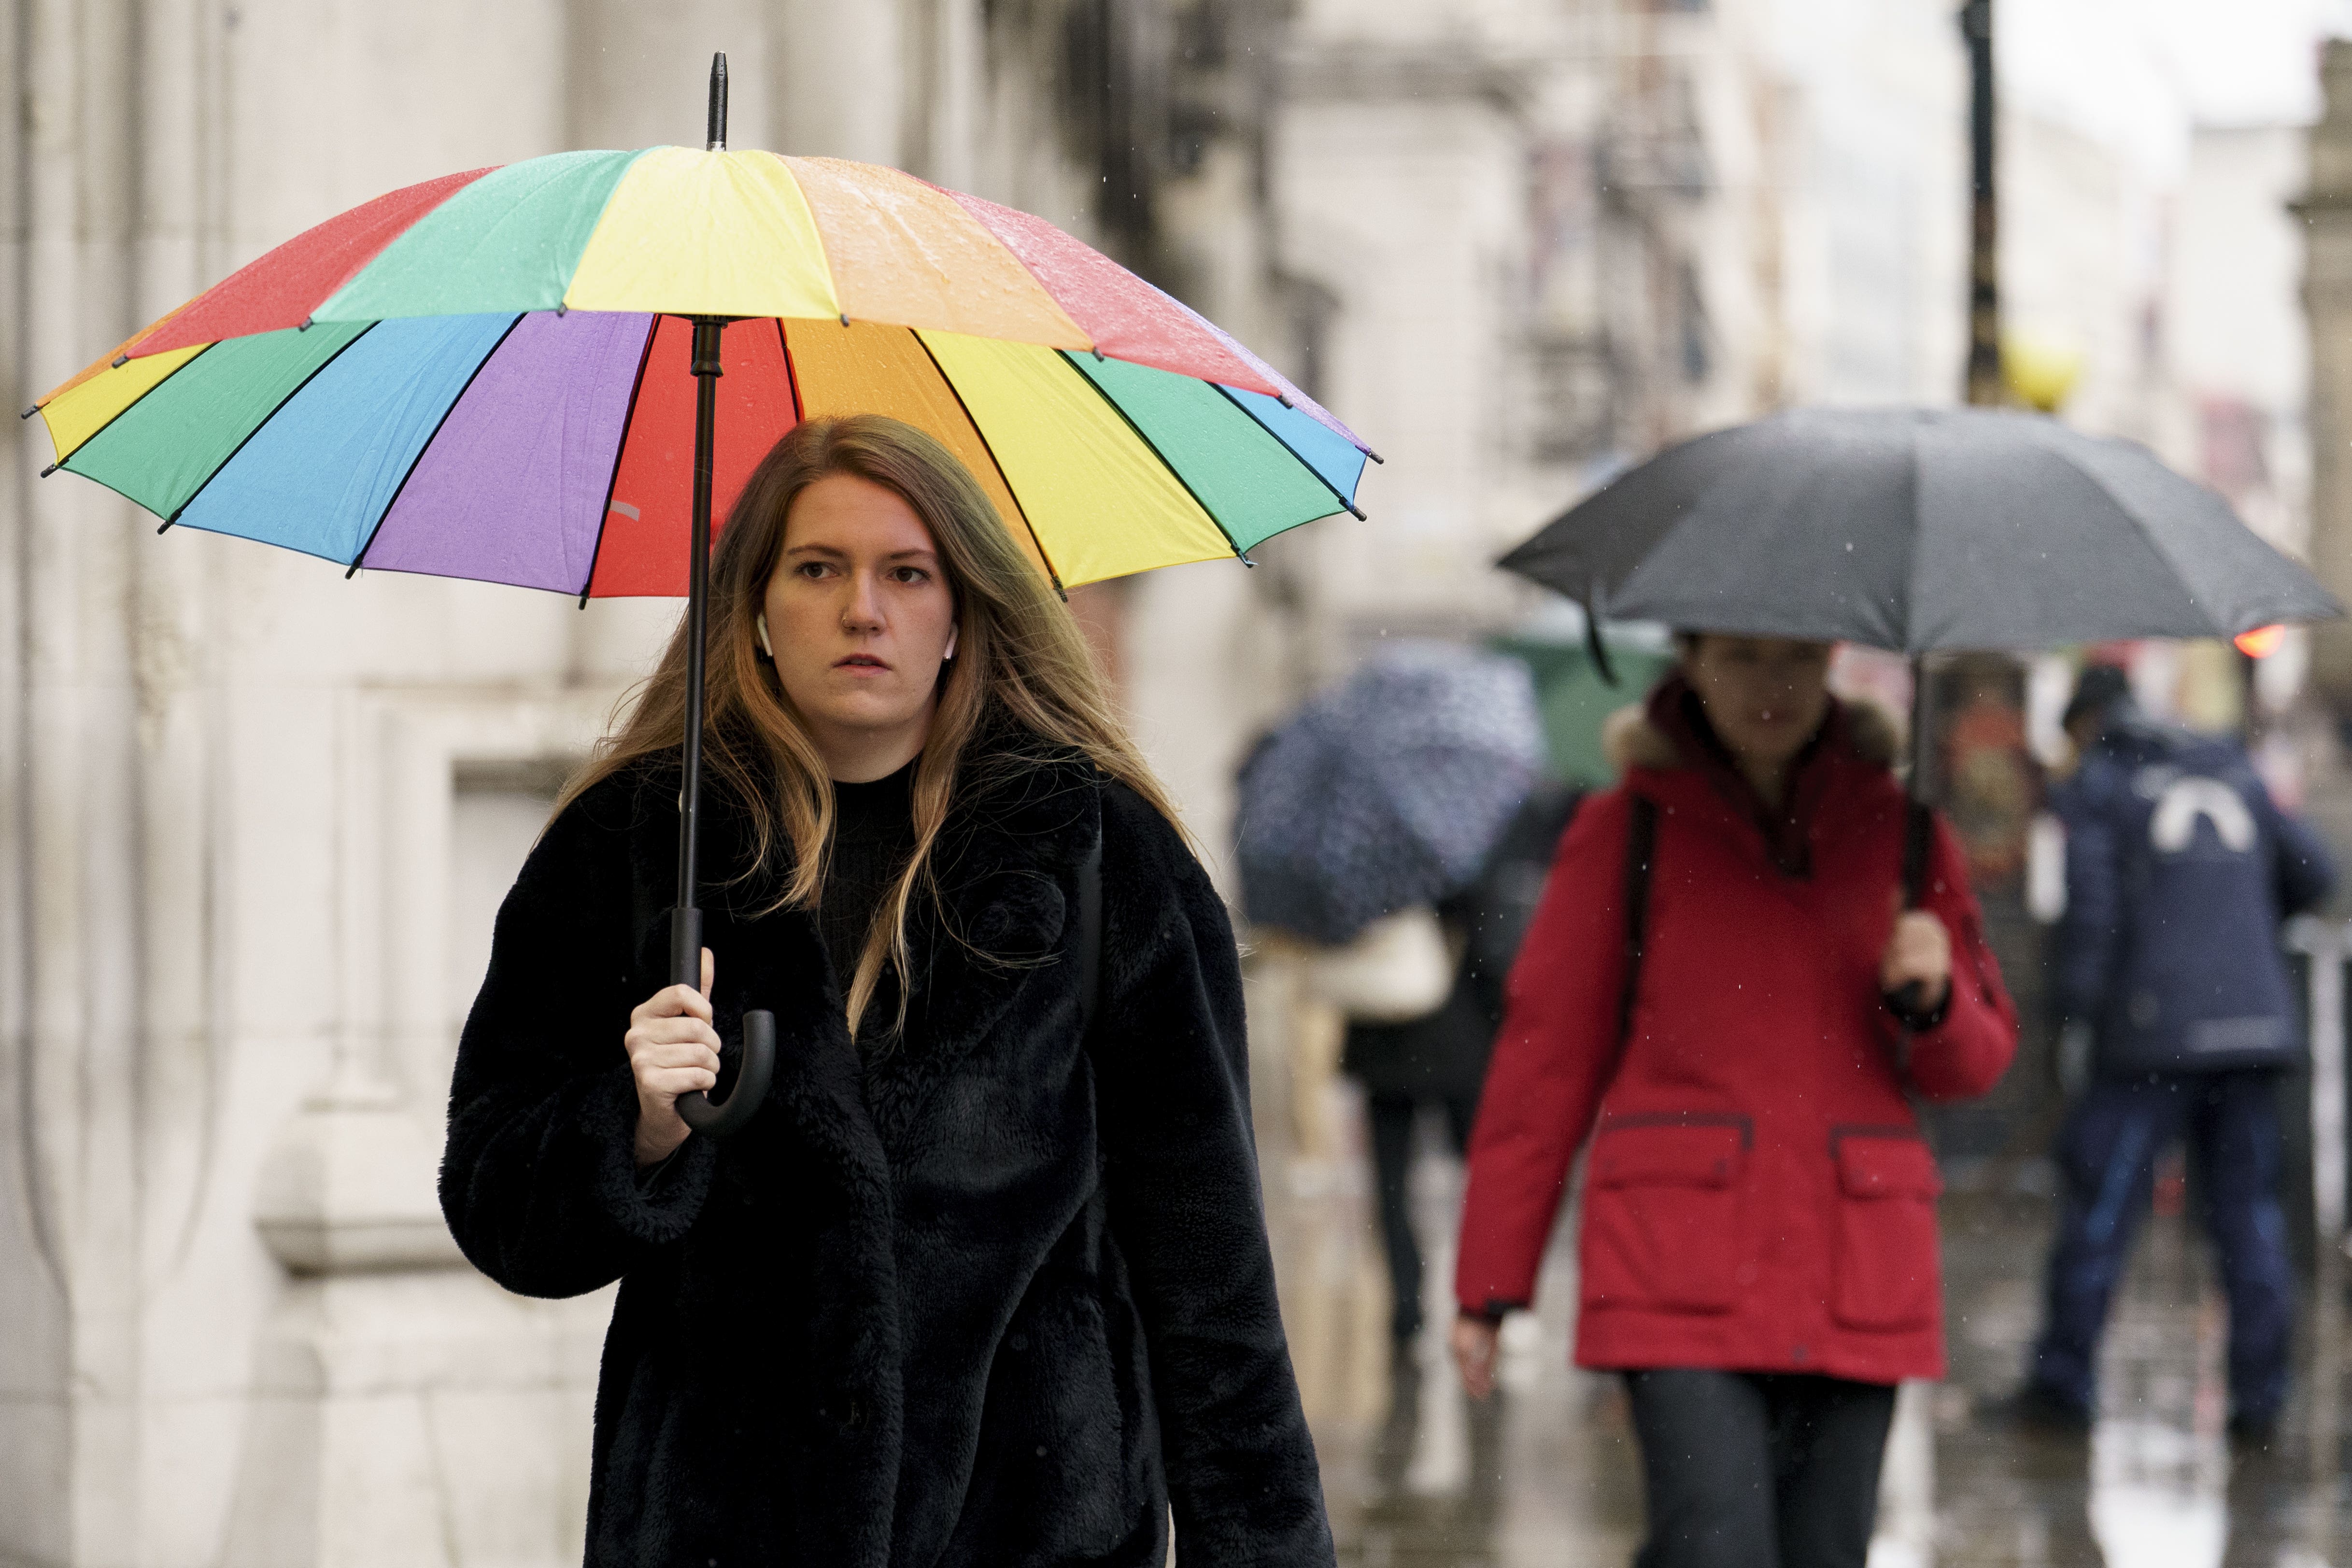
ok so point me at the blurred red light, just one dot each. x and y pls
(2261, 643)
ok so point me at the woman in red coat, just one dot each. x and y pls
(1758, 1251)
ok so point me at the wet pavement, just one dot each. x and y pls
(1548, 1472)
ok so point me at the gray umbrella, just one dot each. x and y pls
(1918, 530)
(1387, 792)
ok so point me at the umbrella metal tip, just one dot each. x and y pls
(717, 119)
(845, 317)
(30, 412)
(49, 470)
(120, 361)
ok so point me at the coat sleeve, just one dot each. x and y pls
(1969, 1049)
(2302, 870)
(1552, 1060)
(538, 1179)
(1181, 1168)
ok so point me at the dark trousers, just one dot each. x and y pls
(1391, 1117)
(1750, 1469)
(2106, 1155)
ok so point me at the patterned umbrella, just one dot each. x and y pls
(1387, 792)
(557, 373)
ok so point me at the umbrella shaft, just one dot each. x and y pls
(698, 595)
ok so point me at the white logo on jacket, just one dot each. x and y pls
(2174, 824)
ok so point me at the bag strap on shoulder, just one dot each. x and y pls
(1640, 850)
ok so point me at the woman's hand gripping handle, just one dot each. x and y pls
(674, 1056)
(1914, 972)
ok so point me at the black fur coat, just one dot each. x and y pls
(991, 1298)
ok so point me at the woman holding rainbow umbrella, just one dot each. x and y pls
(968, 1266)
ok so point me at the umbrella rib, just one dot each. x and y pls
(1153, 447)
(981, 436)
(604, 517)
(218, 468)
(792, 371)
(1227, 394)
(361, 554)
(66, 462)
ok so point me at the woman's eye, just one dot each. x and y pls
(912, 574)
(811, 568)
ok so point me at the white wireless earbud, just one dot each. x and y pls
(760, 623)
(951, 642)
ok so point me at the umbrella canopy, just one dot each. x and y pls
(1918, 530)
(1387, 792)
(486, 375)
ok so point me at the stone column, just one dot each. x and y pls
(72, 1367)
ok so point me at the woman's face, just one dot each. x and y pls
(860, 619)
(1764, 695)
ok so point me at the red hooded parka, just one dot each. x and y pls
(1758, 1197)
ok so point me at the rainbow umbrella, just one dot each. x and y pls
(554, 373)
(488, 376)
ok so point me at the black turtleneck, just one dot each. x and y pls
(873, 833)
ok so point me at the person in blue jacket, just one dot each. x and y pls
(2180, 868)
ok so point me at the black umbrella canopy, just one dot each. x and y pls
(1918, 530)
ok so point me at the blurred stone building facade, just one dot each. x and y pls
(254, 819)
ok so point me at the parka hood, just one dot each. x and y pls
(1630, 739)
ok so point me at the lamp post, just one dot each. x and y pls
(1983, 387)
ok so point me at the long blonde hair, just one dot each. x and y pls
(1020, 655)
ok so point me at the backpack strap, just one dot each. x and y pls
(1089, 934)
(1640, 851)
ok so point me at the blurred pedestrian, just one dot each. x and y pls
(1438, 1061)
(1714, 979)
(977, 1286)
(2179, 868)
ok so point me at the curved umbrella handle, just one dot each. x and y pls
(751, 1090)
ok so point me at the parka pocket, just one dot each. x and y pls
(1662, 1210)
(1886, 1275)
